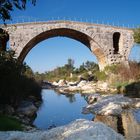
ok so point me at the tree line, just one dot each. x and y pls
(69, 72)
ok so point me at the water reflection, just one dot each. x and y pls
(71, 98)
(58, 109)
(127, 124)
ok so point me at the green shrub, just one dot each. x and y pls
(9, 124)
(111, 69)
(120, 84)
(85, 75)
(73, 78)
(101, 75)
(137, 35)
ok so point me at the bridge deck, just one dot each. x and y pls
(66, 21)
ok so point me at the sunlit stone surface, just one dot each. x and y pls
(110, 105)
(128, 123)
(77, 130)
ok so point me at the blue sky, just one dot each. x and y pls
(108, 11)
(55, 51)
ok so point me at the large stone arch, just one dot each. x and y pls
(70, 33)
(98, 38)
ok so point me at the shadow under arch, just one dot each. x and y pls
(62, 32)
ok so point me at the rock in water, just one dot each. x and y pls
(77, 130)
(62, 82)
(110, 105)
(27, 108)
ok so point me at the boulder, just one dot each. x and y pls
(111, 121)
(102, 86)
(77, 130)
(87, 87)
(92, 98)
(82, 83)
(137, 105)
(72, 83)
(62, 82)
(27, 108)
(55, 84)
(72, 88)
(110, 105)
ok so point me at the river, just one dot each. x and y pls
(58, 109)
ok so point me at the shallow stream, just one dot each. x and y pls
(58, 109)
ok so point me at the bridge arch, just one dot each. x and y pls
(65, 32)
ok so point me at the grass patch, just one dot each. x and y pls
(9, 123)
(101, 75)
(120, 84)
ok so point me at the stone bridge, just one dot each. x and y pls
(109, 44)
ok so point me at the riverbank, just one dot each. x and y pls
(130, 88)
(24, 114)
(82, 86)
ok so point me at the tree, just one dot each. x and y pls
(7, 6)
(91, 66)
(4, 37)
(14, 84)
(70, 65)
(137, 35)
(70, 62)
(82, 68)
(28, 71)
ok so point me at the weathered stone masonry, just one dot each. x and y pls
(109, 44)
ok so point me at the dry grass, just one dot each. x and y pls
(125, 73)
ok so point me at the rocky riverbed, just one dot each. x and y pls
(82, 86)
(77, 130)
